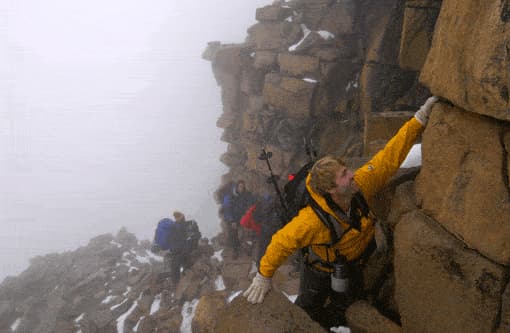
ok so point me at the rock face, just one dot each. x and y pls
(319, 71)
(469, 193)
(115, 284)
(343, 75)
(478, 82)
(434, 271)
(277, 315)
(346, 81)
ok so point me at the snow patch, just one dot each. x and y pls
(306, 32)
(108, 299)
(219, 285)
(153, 256)
(218, 255)
(291, 298)
(116, 306)
(80, 317)
(340, 329)
(307, 79)
(353, 84)
(155, 304)
(188, 312)
(116, 244)
(142, 260)
(15, 325)
(122, 318)
(413, 158)
(135, 328)
(233, 295)
(325, 34)
(128, 289)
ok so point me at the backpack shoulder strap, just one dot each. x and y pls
(335, 229)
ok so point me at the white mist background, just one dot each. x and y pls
(107, 118)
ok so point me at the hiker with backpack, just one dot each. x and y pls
(235, 204)
(262, 218)
(335, 229)
(192, 232)
(171, 236)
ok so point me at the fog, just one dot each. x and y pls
(107, 118)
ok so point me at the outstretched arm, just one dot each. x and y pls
(372, 176)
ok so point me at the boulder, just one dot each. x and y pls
(168, 321)
(272, 13)
(226, 120)
(265, 60)
(362, 317)
(252, 81)
(339, 18)
(462, 184)
(273, 35)
(297, 65)
(210, 51)
(7, 313)
(226, 65)
(289, 94)
(314, 11)
(206, 312)
(442, 286)
(417, 31)
(234, 271)
(382, 85)
(381, 127)
(403, 202)
(504, 324)
(470, 49)
(276, 314)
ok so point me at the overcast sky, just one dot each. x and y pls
(107, 118)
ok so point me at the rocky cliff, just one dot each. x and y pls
(345, 75)
(115, 284)
(341, 76)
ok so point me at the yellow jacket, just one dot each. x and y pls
(306, 229)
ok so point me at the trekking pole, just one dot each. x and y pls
(265, 155)
(309, 149)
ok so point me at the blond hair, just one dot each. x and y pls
(178, 216)
(323, 174)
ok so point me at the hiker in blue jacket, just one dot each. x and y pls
(235, 205)
(170, 236)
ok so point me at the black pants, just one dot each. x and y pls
(323, 304)
(173, 263)
(233, 237)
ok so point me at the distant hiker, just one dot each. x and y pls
(336, 229)
(193, 234)
(263, 219)
(170, 236)
(235, 204)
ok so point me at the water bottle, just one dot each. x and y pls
(340, 275)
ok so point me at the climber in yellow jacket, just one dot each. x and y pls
(341, 194)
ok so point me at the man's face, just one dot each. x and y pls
(345, 185)
(240, 188)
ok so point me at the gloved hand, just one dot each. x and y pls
(422, 115)
(258, 289)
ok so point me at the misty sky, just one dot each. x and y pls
(107, 118)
